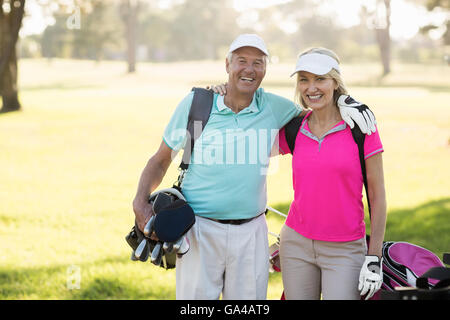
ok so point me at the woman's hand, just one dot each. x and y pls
(220, 89)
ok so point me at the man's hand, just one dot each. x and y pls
(143, 211)
(220, 89)
(352, 110)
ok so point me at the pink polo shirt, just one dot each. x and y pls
(328, 183)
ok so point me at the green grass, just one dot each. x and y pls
(70, 163)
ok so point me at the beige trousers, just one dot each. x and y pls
(232, 260)
(310, 268)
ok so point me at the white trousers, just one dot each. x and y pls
(232, 260)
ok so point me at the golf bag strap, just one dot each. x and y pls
(199, 113)
(359, 138)
(291, 130)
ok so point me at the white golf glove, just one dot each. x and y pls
(352, 110)
(371, 276)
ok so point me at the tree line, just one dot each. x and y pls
(139, 30)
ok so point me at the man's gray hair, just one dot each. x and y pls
(230, 57)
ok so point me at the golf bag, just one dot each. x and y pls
(413, 272)
(172, 220)
(173, 216)
(404, 263)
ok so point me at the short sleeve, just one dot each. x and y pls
(283, 146)
(175, 132)
(283, 109)
(372, 145)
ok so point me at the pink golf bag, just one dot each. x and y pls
(404, 263)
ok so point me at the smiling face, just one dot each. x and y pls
(246, 70)
(316, 90)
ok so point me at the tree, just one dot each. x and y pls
(129, 10)
(11, 15)
(99, 31)
(55, 40)
(382, 26)
(380, 21)
(444, 4)
(200, 28)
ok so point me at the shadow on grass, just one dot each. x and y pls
(53, 282)
(7, 111)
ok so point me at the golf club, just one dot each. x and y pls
(141, 249)
(133, 257)
(177, 245)
(168, 247)
(277, 212)
(184, 247)
(148, 229)
(157, 254)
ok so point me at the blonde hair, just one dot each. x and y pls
(334, 74)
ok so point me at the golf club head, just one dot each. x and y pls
(157, 254)
(142, 251)
(133, 257)
(162, 200)
(177, 245)
(184, 246)
(148, 229)
(168, 247)
(132, 239)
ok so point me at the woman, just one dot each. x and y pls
(322, 244)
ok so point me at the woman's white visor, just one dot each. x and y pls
(316, 63)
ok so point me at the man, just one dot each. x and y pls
(226, 181)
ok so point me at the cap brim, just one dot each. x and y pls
(234, 48)
(316, 63)
(315, 69)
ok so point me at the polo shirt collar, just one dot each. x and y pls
(304, 128)
(221, 107)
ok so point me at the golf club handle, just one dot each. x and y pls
(273, 234)
(277, 212)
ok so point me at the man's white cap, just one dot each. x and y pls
(316, 63)
(249, 40)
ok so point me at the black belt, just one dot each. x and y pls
(236, 221)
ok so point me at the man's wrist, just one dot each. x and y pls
(139, 202)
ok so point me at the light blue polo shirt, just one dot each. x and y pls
(226, 178)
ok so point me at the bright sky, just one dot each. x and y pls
(405, 17)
